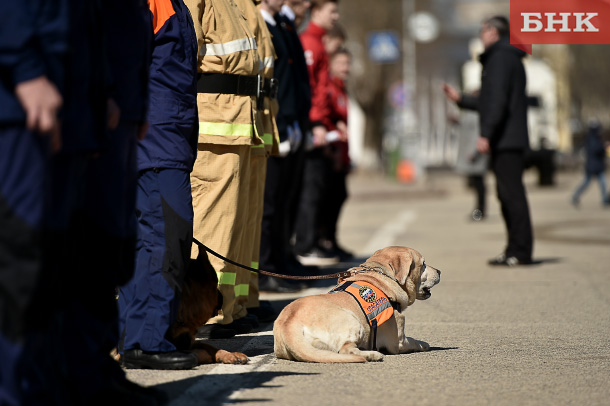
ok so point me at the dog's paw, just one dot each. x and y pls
(115, 354)
(226, 357)
(413, 345)
(372, 356)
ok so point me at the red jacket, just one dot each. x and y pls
(317, 66)
(337, 99)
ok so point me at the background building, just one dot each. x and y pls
(569, 82)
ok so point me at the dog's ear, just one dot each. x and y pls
(401, 260)
(403, 264)
(201, 270)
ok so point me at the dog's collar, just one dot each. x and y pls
(379, 269)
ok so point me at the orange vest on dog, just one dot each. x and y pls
(375, 305)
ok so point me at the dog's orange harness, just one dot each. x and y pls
(375, 305)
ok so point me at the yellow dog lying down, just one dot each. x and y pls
(364, 312)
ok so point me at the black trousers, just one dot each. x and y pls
(282, 184)
(315, 181)
(331, 209)
(508, 168)
(477, 182)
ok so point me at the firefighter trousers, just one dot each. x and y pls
(220, 184)
(258, 170)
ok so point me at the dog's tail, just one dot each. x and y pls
(290, 343)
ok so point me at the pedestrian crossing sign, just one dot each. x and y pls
(384, 46)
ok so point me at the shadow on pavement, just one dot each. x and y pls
(216, 389)
(443, 348)
(541, 261)
(383, 351)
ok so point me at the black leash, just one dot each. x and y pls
(275, 275)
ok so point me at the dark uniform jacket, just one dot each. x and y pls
(86, 89)
(303, 88)
(33, 41)
(502, 103)
(171, 141)
(129, 33)
(284, 73)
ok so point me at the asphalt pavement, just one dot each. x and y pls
(530, 335)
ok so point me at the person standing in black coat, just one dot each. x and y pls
(502, 107)
(283, 171)
(595, 165)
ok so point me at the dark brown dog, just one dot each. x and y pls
(199, 302)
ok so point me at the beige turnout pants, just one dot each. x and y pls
(258, 172)
(220, 184)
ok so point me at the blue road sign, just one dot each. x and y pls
(384, 46)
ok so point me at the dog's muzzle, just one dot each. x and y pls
(424, 291)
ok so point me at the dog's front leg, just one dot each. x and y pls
(207, 354)
(402, 338)
(413, 345)
(407, 344)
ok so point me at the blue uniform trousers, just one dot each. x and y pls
(149, 302)
(23, 172)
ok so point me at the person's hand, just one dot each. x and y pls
(41, 101)
(142, 130)
(483, 145)
(113, 112)
(319, 136)
(342, 127)
(451, 93)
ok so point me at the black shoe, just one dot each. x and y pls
(266, 304)
(241, 326)
(295, 268)
(252, 319)
(334, 249)
(503, 260)
(317, 257)
(138, 359)
(275, 285)
(263, 313)
(343, 254)
(215, 331)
